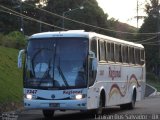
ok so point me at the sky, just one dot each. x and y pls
(123, 10)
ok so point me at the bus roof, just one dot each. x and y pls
(82, 33)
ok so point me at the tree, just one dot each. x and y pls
(151, 25)
(8, 22)
(91, 14)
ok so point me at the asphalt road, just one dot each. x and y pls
(147, 109)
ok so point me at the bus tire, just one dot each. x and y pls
(99, 110)
(130, 105)
(48, 113)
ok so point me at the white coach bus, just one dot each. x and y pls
(77, 70)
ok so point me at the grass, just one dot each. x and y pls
(153, 81)
(10, 76)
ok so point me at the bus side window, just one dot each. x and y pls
(102, 50)
(131, 55)
(118, 56)
(106, 51)
(116, 53)
(125, 54)
(93, 46)
(112, 52)
(108, 56)
(142, 57)
(137, 56)
(120, 53)
(93, 62)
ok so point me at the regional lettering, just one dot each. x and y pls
(72, 92)
(114, 73)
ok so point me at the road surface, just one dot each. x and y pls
(149, 108)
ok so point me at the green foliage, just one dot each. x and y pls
(151, 76)
(153, 80)
(14, 39)
(151, 25)
(8, 22)
(10, 76)
(91, 14)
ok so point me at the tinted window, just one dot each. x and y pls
(102, 50)
(112, 52)
(94, 47)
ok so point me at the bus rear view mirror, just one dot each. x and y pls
(20, 58)
(91, 54)
(93, 60)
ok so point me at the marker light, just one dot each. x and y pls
(79, 96)
(29, 96)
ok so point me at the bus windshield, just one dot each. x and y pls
(56, 63)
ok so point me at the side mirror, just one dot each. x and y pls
(91, 54)
(20, 58)
(93, 60)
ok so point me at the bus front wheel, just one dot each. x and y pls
(48, 113)
(130, 105)
(99, 110)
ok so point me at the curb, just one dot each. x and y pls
(158, 93)
(155, 91)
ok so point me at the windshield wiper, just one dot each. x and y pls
(34, 56)
(48, 70)
(58, 67)
(62, 75)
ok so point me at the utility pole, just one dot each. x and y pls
(41, 4)
(158, 37)
(70, 10)
(22, 24)
(137, 13)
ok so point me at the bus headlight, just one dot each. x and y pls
(29, 96)
(79, 96)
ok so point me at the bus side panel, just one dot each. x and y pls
(118, 81)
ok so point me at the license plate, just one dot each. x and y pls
(54, 105)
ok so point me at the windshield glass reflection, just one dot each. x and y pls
(56, 63)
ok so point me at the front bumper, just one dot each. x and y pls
(56, 104)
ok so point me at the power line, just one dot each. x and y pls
(30, 18)
(33, 19)
(150, 44)
(73, 21)
(90, 24)
(146, 39)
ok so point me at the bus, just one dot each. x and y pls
(78, 70)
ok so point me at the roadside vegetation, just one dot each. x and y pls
(153, 80)
(13, 39)
(10, 76)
